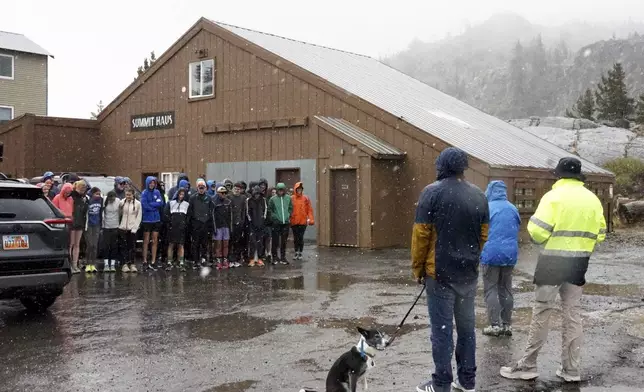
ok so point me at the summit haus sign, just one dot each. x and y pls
(152, 121)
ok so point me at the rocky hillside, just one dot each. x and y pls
(591, 141)
(541, 76)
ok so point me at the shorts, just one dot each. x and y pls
(222, 234)
(148, 227)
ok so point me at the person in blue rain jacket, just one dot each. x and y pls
(151, 201)
(498, 258)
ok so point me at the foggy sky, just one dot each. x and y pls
(99, 45)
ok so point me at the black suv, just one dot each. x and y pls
(34, 259)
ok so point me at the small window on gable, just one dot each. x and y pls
(202, 78)
(6, 66)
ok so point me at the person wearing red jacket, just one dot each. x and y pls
(302, 216)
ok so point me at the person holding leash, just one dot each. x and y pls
(450, 229)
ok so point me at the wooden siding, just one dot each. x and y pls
(33, 145)
(249, 87)
(391, 209)
(27, 92)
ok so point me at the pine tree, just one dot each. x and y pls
(517, 82)
(584, 107)
(613, 102)
(640, 110)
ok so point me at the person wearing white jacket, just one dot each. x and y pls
(131, 214)
(111, 221)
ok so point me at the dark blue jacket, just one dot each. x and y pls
(151, 201)
(95, 212)
(502, 246)
(451, 224)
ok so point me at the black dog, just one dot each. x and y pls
(347, 370)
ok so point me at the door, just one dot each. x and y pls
(288, 176)
(344, 208)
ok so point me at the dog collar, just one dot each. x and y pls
(365, 352)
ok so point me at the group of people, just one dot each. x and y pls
(228, 224)
(458, 227)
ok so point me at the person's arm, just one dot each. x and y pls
(542, 223)
(422, 239)
(157, 200)
(309, 212)
(485, 224)
(138, 217)
(290, 209)
(601, 236)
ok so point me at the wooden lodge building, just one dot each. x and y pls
(235, 103)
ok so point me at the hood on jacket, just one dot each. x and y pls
(47, 175)
(496, 190)
(296, 187)
(451, 162)
(209, 185)
(280, 186)
(117, 180)
(256, 190)
(182, 176)
(148, 180)
(252, 185)
(67, 187)
(184, 184)
(263, 181)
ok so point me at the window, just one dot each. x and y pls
(523, 198)
(6, 113)
(24, 204)
(523, 191)
(202, 78)
(170, 179)
(6, 66)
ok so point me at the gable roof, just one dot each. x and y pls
(20, 43)
(360, 138)
(487, 138)
(482, 136)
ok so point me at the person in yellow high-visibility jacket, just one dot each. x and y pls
(569, 222)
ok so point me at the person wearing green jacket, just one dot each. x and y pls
(281, 208)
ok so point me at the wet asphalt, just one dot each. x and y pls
(280, 328)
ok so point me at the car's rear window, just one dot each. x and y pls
(25, 204)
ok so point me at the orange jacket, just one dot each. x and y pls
(302, 209)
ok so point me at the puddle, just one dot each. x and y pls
(326, 281)
(228, 328)
(238, 386)
(612, 290)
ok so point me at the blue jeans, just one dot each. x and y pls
(448, 302)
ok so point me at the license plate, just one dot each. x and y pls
(15, 242)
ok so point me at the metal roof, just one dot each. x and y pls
(20, 43)
(376, 147)
(482, 136)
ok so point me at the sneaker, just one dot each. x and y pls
(251, 263)
(195, 265)
(168, 267)
(260, 263)
(153, 267)
(457, 386)
(226, 265)
(237, 264)
(273, 261)
(566, 376)
(219, 265)
(125, 268)
(428, 386)
(182, 268)
(112, 268)
(519, 372)
(75, 270)
(492, 330)
(283, 261)
(133, 268)
(507, 330)
(203, 262)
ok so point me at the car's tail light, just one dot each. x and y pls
(58, 223)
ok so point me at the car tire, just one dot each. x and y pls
(38, 303)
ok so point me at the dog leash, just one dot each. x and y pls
(393, 336)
